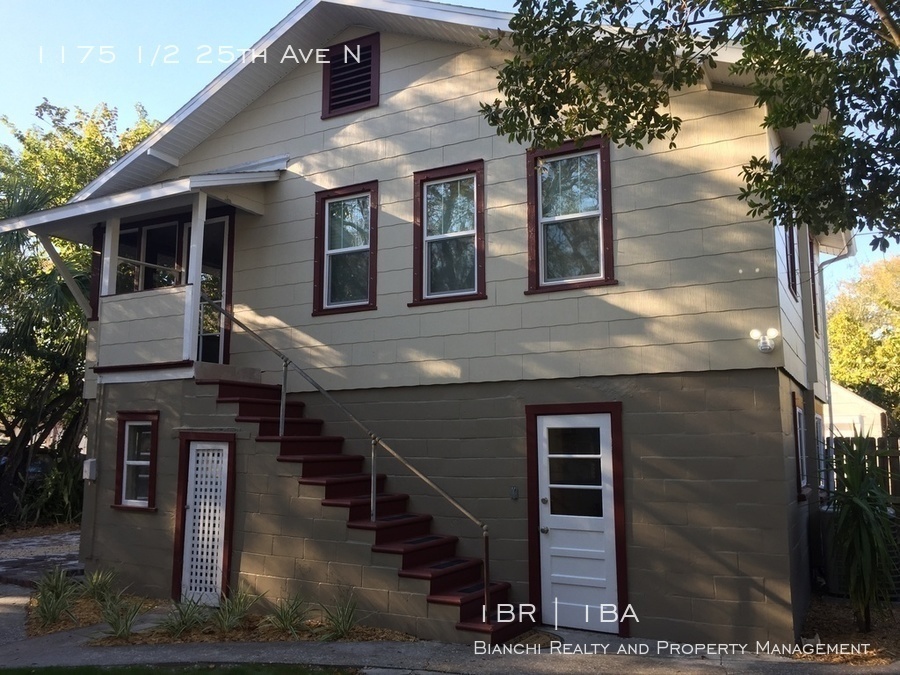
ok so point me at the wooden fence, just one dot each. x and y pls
(883, 453)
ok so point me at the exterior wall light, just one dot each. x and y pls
(765, 342)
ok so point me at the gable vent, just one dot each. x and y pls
(350, 85)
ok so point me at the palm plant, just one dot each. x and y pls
(865, 542)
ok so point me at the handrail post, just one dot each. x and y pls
(487, 573)
(373, 481)
(283, 411)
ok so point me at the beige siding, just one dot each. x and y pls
(140, 328)
(694, 274)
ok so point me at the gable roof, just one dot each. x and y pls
(313, 24)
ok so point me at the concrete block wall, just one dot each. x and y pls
(714, 538)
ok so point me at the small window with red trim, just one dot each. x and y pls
(136, 459)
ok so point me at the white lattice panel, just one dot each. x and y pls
(204, 523)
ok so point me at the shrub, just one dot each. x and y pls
(233, 609)
(342, 618)
(120, 613)
(55, 593)
(98, 585)
(289, 615)
(184, 616)
(863, 530)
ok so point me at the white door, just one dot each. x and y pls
(578, 543)
(204, 522)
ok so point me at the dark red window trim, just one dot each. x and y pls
(790, 242)
(336, 54)
(614, 409)
(319, 282)
(123, 417)
(534, 272)
(475, 168)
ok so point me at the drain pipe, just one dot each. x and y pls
(847, 251)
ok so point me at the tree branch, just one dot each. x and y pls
(887, 20)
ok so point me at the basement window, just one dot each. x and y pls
(351, 76)
(136, 459)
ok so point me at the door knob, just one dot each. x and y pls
(545, 530)
(544, 500)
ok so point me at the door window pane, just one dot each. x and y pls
(576, 502)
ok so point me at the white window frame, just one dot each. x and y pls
(542, 221)
(428, 239)
(330, 253)
(141, 263)
(128, 464)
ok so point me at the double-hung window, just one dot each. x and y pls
(346, 236)
(570, 221)
(449, 234)
(136, 460)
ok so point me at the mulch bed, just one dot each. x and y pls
(832, 620)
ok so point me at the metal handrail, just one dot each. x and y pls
(375, 439)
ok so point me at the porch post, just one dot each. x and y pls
(109, 265)
(195, 274)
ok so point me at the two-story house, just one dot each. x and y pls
(558, 338)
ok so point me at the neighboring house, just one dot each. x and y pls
(558, 338)
(852, 415)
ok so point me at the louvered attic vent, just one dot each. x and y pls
(349, 85)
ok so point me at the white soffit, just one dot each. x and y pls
(313, 24)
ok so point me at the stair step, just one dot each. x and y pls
(249, 406)
(395, 527)
(325, 465)
(470, 598)
(359, 507)
(494, 631)
(293, 426)
(306, 445)
(420, 551)
(447, 574)
(349, 485)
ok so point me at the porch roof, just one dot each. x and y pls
(75, 221)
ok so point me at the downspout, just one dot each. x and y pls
(848, 251)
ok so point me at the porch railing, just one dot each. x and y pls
(376, 441)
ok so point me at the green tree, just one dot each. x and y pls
(42, 328)
(609, 68)
(864, 337)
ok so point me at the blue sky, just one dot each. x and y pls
(159, 53)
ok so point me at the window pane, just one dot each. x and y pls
(575, 441)
(137, 482)
(450, 206)
(576, 502)
(161, 249)
(451, 265)
(570, 185)
(571, 249)
(127, 273)
(348, 278)
(348, 223)
(568, 471)
(138, 448)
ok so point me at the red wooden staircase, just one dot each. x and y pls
(419, 553)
